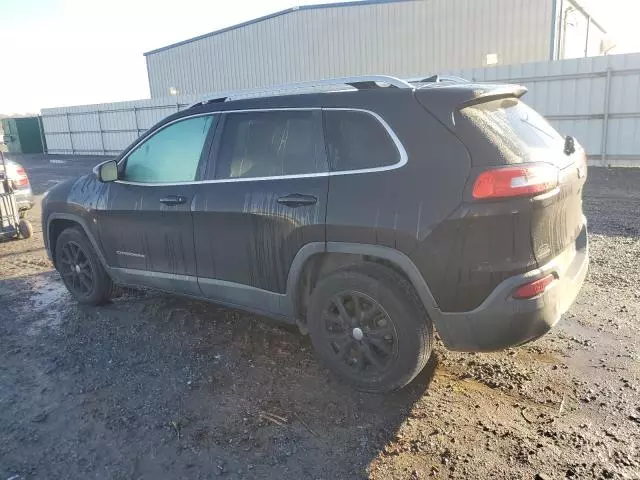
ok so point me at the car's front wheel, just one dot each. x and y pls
(80, 268)
(368, 326)
(25, 228)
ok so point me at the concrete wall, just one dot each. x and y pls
(401, 38)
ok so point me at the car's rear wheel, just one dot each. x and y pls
(80, 268)
(368, 326)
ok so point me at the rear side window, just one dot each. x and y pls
(357, 140)
(171, 155)
(270, 144)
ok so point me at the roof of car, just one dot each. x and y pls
(351, 98)
(346, 98)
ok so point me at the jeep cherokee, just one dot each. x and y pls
(367, 216)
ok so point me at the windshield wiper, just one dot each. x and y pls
(524, 120)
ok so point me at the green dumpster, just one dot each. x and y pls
(23, 135)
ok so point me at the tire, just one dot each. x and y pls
(381, 351)
(90, 284)
(25, 228)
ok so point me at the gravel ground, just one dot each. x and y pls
(159, 387)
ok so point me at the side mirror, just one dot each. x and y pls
(106, 171)
(569, 145)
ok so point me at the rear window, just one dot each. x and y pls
(357, 141)
(518, 131)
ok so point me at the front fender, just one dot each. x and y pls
(80, 221)
(75, 201)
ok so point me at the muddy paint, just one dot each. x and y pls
(157, 237)
(244, 235)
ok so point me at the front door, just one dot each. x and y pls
(145, 220)
(266, 197)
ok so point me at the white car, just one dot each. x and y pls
(20, 182)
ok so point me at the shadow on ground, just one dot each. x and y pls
(153, 386)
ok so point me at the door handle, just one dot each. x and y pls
(297, 200)
(173, 200)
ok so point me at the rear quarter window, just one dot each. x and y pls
(357, 141)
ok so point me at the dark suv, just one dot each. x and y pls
(365, 216)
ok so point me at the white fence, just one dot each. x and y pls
(595, 99)
(106, 128)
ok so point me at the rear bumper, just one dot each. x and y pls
(501, 321)
(24, 198)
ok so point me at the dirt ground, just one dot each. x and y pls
(159, 387)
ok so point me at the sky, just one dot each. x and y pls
(73, 52)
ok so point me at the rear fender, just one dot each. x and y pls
(398, 259)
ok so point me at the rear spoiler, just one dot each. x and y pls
(444, 100)
(495, 93)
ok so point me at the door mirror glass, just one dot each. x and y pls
(107, 171)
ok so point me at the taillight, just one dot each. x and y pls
(21, 178)
(514, 181)
(534, 288)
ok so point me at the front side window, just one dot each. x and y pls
(357, 141)
(270, 144)
(171, 155)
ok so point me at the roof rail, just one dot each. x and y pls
(363, 82)
(438, 79)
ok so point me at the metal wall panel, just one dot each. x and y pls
(87, 141)
(59, 144)
(85, 122)
(118, 120)
(149, 117)
(587, 132)
(117, 141)
(55, 124)
(571, 93)
(405, 38)
(108, 128)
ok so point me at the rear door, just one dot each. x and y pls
(144, 218)
(264, 198)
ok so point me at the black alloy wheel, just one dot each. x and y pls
(360, 333)
(368, 326)
(75, 268)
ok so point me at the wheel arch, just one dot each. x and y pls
(315, 259)
(58, 222)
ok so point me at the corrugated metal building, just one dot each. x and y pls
(405, 38)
